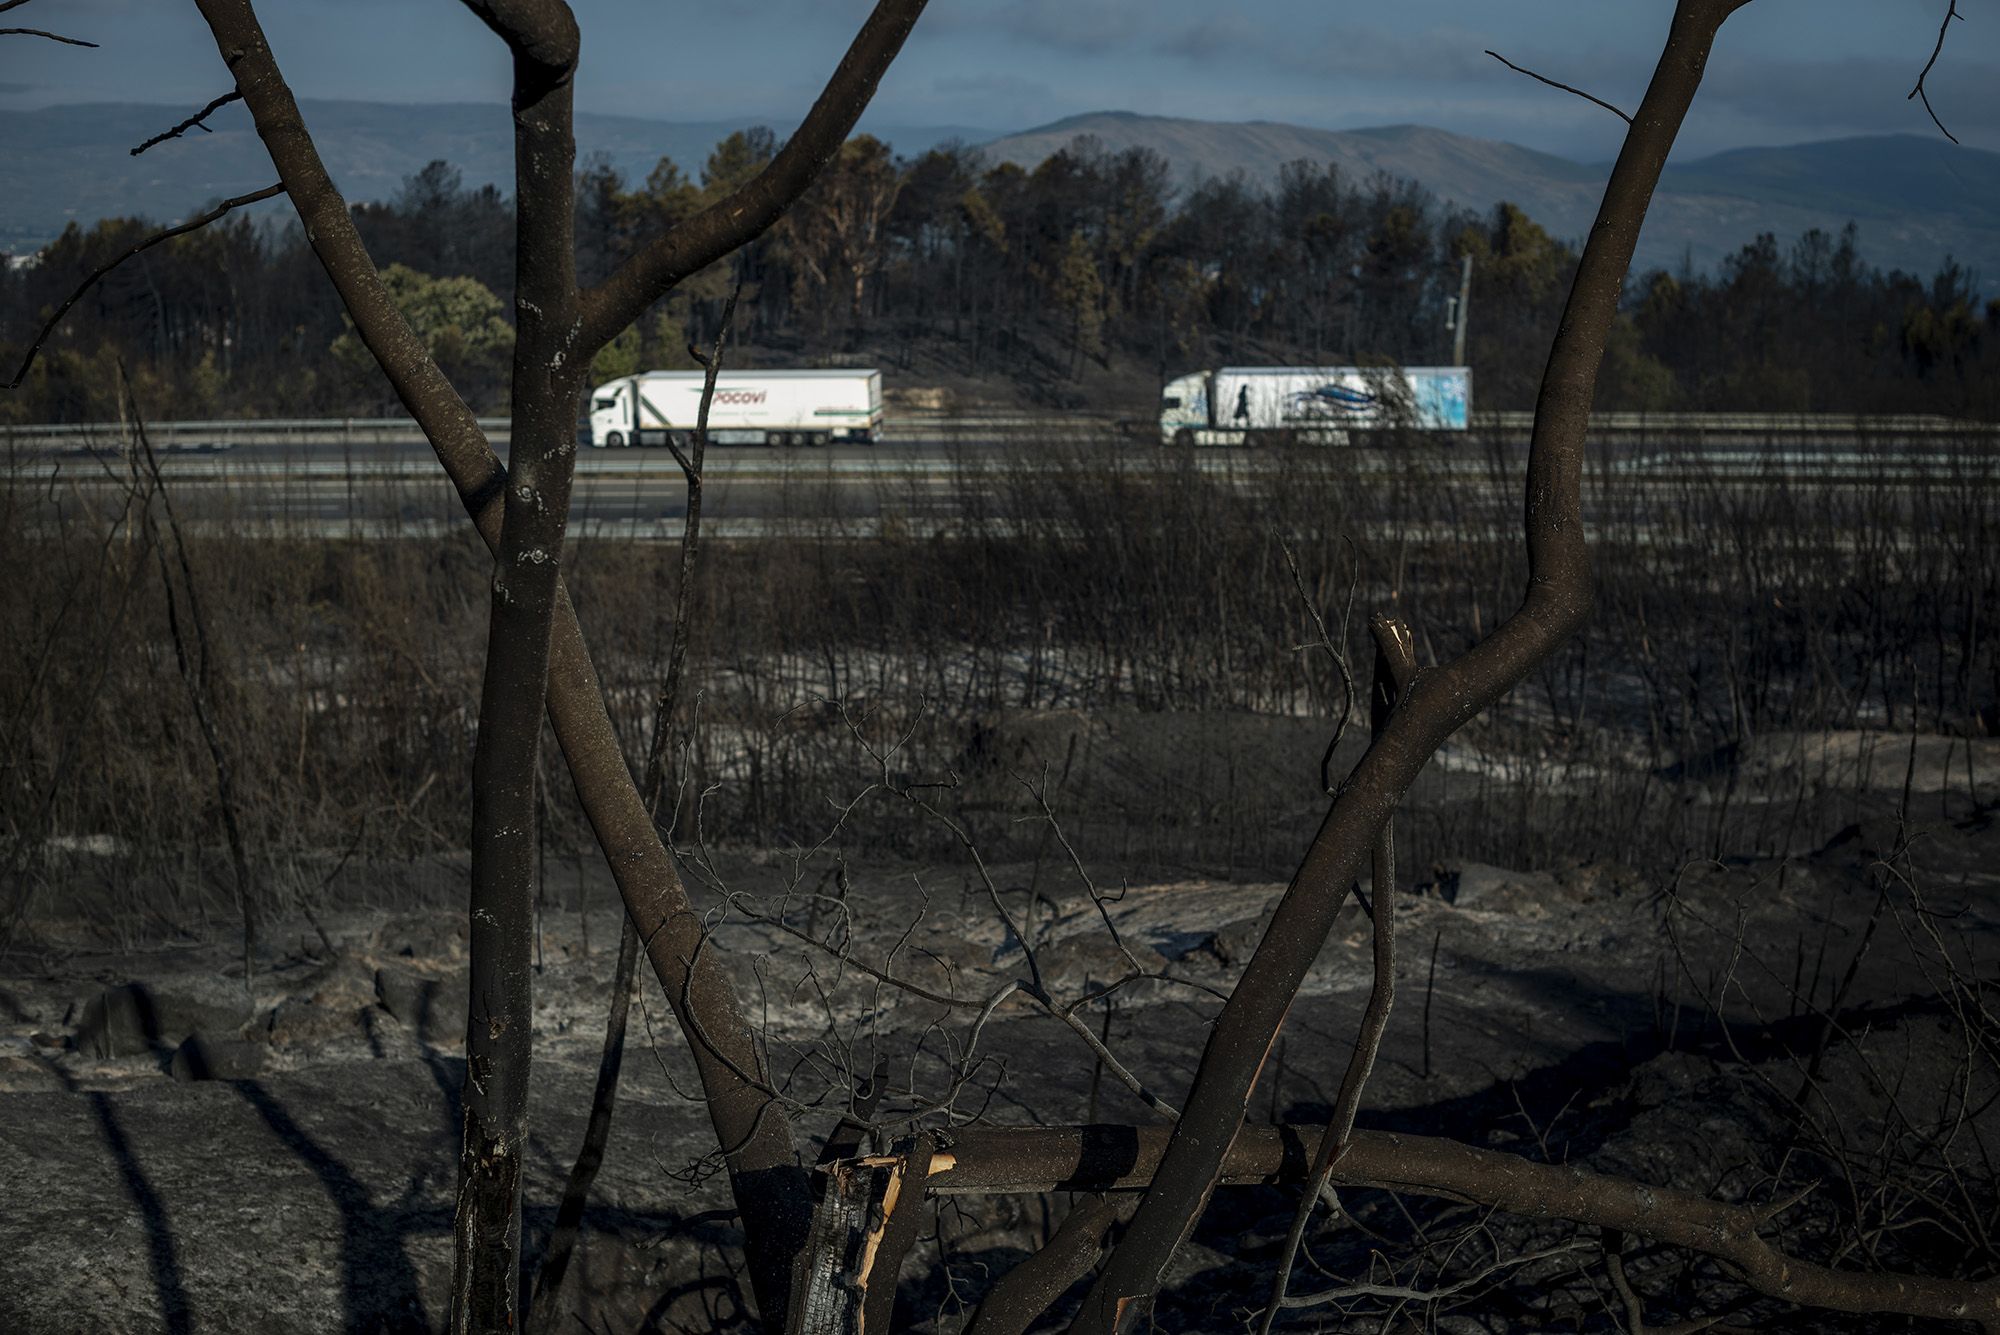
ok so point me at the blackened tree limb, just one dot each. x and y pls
(746, 214)
(902, 1216)
(1950, 13)
(867, 1220)
(1440, 700)
(196, 121)
(1021, 1295)
(667, 703)
(52, 36)
(1123, 1158)
(96, 275)
(751, 1125)
(194, 675)
(1543, 78)
(596, 1134)
(419, 385)
(1395, 665)
(547, 379)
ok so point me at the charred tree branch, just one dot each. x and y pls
(597, 1131)
(1395, 665)
(1126, 1158)
(1439, 701)
(194, 675)
(1543, 78)
(196, 121)
(864, 1227)
(52, 36)
(1950, 13)
(745, 215)
(1032, 1287)
(96, 275)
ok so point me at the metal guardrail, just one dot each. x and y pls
(228, 431)
(1775, 424)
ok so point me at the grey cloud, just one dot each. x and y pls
(988, 98)
(991, 85)
(1083, 27)
(1226, 34)
(1443, 54)
(1815, 97)
(1858, 93)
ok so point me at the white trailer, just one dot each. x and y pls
(749, 408)
(1245, 405)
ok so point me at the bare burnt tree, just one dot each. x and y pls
(1437, 702)
(535, 648)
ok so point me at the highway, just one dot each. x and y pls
(929, 475)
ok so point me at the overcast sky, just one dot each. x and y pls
(1784, 71)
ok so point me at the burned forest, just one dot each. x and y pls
(995, 864)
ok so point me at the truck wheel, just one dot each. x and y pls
(1184, 438)
(614, 439)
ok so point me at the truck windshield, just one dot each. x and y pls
(1170, 401)
(596, 404)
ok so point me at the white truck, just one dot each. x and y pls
(1245, 405)
(749, 408)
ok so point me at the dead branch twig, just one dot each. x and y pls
(192, 224)
(1336, 652)
(1411, 1294)
(747, 213)
(194, 122)
(1543, 78)
(1950, 13)
(52, 36)
(1395, 666)
(195, 677)
(583, 1172)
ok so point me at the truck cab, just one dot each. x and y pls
(612, 412)
(1184, 408)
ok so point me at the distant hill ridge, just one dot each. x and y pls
(74, 162)
(1916, 198)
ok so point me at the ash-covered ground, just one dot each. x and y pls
(181, 1153)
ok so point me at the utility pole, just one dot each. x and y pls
(1458, 310)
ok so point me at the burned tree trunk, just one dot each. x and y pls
(547, 381)
(750, 1122)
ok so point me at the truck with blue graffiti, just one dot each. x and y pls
(1250, 405)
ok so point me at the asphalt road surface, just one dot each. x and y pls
(932, 482)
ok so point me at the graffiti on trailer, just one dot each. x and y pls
(1329, 400)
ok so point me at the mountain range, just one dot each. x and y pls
(1916, 199)
(74, 163)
